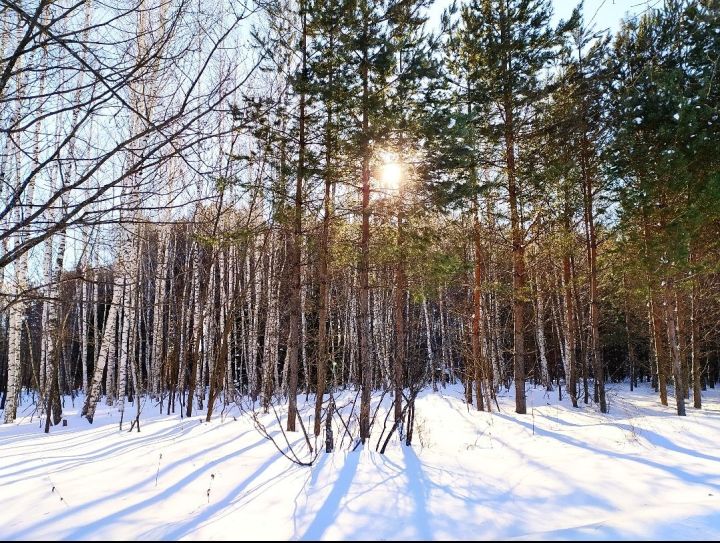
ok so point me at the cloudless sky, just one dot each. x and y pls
(603, 13)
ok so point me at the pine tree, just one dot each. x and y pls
(664, 119)
(504, 47)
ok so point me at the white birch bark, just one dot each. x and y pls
(272, 328)
(540, 335)
(127, 324)
(303, 333)
(17, 310)
(255, 283)
(158, 313)
(85, 305)
(104, 352)
(428, 343)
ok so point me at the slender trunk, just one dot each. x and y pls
(682, 344)
(444, 339)
(478, 317)
(322, 347)
(55, 323)
(399, 307)
(670, 320)
(295, 245)
(428, 345)
(695, 345)
(45, 315)
(159, 311)
(540, 334)
(582, 336)
(591, 246)
(519, 276)
(518, 245)
(104, 352)
(15, 318)
(200, 293)
(365, 360)
(127, 318)
(630, 344)
(571, 368)
(272, 325)
(256, 296)
(216, 377)
(659, 348)
(86, 330)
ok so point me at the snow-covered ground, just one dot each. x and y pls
(558, 472)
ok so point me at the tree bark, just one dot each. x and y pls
(518, 258)
(695, 345)
(106, 344)
(478, 318)
(659, 348)
(591, 247)
(670, 320)
(296, 243)
(365, 359)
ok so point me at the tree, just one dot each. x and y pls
(507, 44)
(661, 156)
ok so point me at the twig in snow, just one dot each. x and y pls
(157, 474)
(212, 478)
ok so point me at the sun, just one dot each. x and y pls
(391, 175)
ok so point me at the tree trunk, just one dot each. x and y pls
(591, 246)
(695, 345)
(659, 348)
(159, 310)
(296, 244)
(571, 368)
(540, 334)
(272, 328)
(200, 294)
(106, 344)
(399, 308)
(322, 347)
(56, 327)
(518, 257)
(670, 316)
(478, 338)
(365, 359)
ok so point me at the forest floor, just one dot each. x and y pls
(556, 473)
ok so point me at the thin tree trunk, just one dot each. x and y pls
(695, 345)
(570, 370)
(630, 343)
(670, 320)
(322, 347)
(591, 246)
(296, 244)
(399, 309)
(658, 348)
(272, 325)
(56, 326)
(478, 317)
(363, 323)
(540, 333)
(106, 344)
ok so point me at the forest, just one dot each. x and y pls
(263, 202)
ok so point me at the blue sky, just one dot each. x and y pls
(603, 13)
(606, 13)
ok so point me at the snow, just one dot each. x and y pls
(555, 473)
